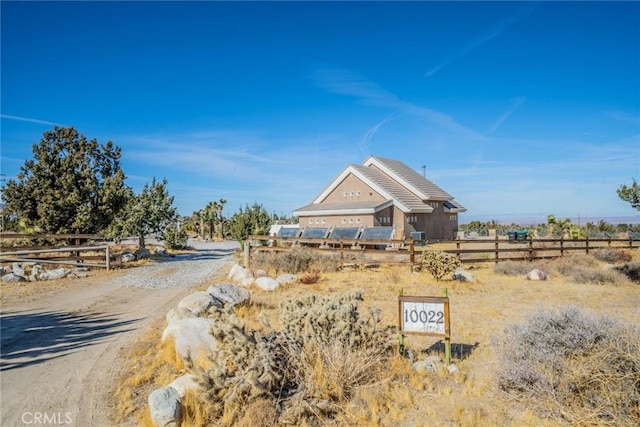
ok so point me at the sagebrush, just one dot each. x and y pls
(573, 366)
(295, 260)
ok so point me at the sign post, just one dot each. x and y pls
(421, 315)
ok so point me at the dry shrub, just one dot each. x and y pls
(631, 270)
(439, 263)
(324, 352)
(612, 255)
(310, 278)
(572, 366)
(259, 413)
(513, 268)
(295, 260)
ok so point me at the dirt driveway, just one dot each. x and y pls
(60, 342)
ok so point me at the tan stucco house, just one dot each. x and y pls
(381, 193)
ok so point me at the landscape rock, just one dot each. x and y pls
(267, 283)
(463, 275)
(165, 408)
(160, 251)
(191, 336)
(13, 278)
(537, 274)
(178, 314)
(142, 253)
(285, 279)
(240, 273)
(199, 302)
(229, 294)
(185, 383)
(235, 268)
(18, 269)
(431, 364)
(57, 273)
(127, 257)
(35, 273)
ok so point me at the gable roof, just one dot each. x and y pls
(394, 181)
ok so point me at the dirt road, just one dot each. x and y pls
(60, 343)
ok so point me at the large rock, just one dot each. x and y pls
(185, 383)
(285, 279)
(247, 281)
(463, 275)
(537, 274)
(127, 257)
(238, 273)
(199, 302)
(432, 364)
(57, 273)
(191, 337)
(160, 251)
(229, 294)
(142, 253)
(179, 314)
(267, 283)
(165, 408)
(18, 269)
(13, 278)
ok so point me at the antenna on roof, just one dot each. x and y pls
(424, 171)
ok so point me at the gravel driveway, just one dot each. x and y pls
(60, 342)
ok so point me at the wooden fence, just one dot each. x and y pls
(467, 251)
(76, 255)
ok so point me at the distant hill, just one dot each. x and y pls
(534, 219)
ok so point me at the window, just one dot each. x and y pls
(357, 193)
(350, 220)
(317, 221)
(344, 220)
(345, 194)
(352, 194)
(358, 220)
(324, 221)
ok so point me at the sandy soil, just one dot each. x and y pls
(61, 341)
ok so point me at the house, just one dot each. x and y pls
(384, 192)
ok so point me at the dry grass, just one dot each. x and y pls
(399, 396)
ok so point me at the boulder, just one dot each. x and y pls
(285, 279)
(267, 283)
(3, 270)
(18, 269)
(57, 273)
(431, 364)
(463, 275)
(13, 278)
(35, 273)
(191, 337)
(199, 302)
(185, 383)
(179, 314)
(142, 253)
(165, 408)
(127, 257)
(229, 294)
(537, 274)
(238, 273)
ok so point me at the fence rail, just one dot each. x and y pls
(467, 251)
(74, 259)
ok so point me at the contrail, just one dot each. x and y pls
(28, 119)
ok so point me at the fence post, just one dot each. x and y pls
(412, 253)
(108, 258)
(530, 249)
(497, 248)
(247, 247)
(562, 246)
(587, 245)
(458, 249)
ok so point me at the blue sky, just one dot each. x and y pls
(517, 109)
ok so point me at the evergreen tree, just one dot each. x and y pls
(71, 184)
(630, 194)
